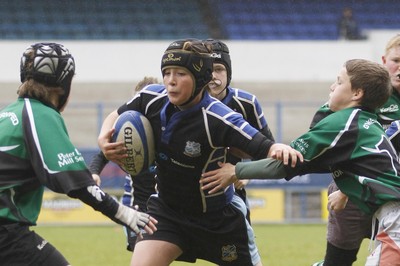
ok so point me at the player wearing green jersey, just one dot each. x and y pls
(390, 111)
(347, 228)
(36, 152)
(351, 144)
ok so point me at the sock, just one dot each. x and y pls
(337, 256)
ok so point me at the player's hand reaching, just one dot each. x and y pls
(285, 153)
(219, 179)
(136, 220)
(241, 183)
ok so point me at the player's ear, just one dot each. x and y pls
(358, 94)
(383, 59)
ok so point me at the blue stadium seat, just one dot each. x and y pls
(158, 19)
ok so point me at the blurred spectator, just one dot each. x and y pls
(348, 26)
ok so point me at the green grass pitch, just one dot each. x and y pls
(279, 244)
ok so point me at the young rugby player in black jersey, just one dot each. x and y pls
(239, 101)
(351, 144)
(192, 131)
(36, 152)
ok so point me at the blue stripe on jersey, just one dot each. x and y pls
(243, 98)
(231, 118)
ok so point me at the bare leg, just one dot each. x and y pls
(154, 252)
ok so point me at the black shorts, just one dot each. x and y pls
(20, 246)
(219, 237)
(348, 227)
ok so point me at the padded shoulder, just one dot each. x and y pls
(154, 89)
(242, 94)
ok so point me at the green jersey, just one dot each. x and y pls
(390, 111)
(350, 144)
(35, 151)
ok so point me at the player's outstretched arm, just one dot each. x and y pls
(104, 203)
(221, 178)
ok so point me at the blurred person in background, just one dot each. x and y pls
(348, 27)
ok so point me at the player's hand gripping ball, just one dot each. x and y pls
(136, 132)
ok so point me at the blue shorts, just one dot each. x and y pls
(221, 237)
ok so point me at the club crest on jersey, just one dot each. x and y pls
(229, 253)
(192, 149)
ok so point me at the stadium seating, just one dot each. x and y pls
(301, 20)
(158, 19)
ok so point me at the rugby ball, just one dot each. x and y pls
(133, 128)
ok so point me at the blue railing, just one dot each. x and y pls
(277, 114)
(113, 176)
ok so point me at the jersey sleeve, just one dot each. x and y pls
(234, 131)
(262, 169)
(143, 99)
(328, 143)
(256, 118)
(98, 163)
(248, 105)
(56, 162)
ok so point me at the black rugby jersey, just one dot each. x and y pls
(192, 141)
(248, 106)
